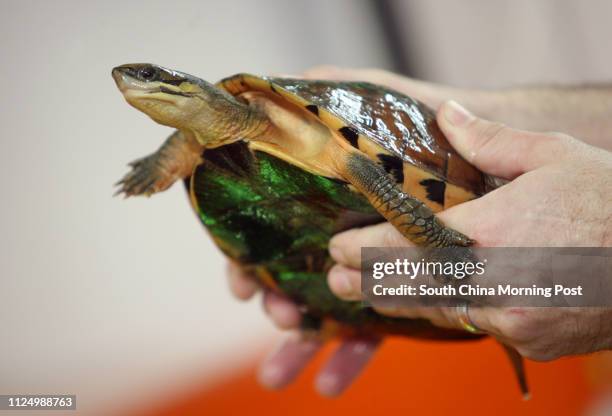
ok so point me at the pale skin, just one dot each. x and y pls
(559, 194)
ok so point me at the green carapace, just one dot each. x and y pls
(275, 167)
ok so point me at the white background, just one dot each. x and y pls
(108, 299)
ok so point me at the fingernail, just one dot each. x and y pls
(341, 283)
(270, 376)
(327, 385)
(336, 254)
(456, 115)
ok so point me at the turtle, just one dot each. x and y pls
(274, 167)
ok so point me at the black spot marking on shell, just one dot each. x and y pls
(393, 165)
(313, 109)
(435, 190)
(273, 89)
(350, 134)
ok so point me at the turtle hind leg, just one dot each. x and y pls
(408, 215)
(174, 160)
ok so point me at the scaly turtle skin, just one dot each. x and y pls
(275, 167)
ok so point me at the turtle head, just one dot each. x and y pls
(182, 101)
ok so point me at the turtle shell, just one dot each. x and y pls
(276, 219)
(395, 130)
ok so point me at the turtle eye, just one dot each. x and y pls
(148, 73)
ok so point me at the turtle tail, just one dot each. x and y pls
(518, 364)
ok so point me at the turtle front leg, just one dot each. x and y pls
(407, 214)
(174, 160)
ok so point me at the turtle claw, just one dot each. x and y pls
(139, 161)
(146, 178)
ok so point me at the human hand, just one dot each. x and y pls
(286, 362)
(582, 111)
(559, 195)
(483, 102)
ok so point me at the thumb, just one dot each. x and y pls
(497, 149)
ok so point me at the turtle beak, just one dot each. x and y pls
(128, 83)
(121, 78)
(124, 78)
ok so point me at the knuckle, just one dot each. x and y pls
(487, 131)
(560, 142)
(515, 324)
(485, 134)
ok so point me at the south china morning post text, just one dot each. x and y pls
(458, 270)
(490, 276)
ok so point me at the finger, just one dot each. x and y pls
(332, 72)
(430, 94)
(345, 282)
(283, 365)
(444, 317)
(376, 76)
(294, 76)
(284, 313)
(489, 319)
(497, 149)
(441, 317)
(241, 284)
(487, 229)
(345, 365)
(450, 317)
(345, 248)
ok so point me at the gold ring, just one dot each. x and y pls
(464, 319)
